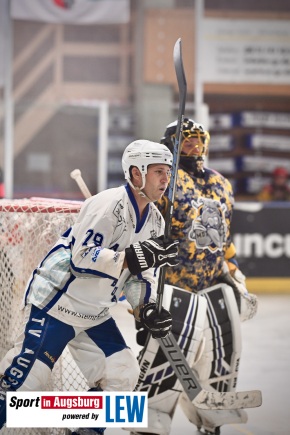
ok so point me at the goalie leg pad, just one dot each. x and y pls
(218, 366)
(219, 363)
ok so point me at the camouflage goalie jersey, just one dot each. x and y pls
(201, 222)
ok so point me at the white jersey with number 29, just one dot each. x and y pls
(82, 276)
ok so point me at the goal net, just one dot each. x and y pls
(28, 228)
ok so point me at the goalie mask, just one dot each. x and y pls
(142, 153)
(194, 146)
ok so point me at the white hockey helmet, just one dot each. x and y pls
(142, 153)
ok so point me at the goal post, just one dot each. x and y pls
(28, 229)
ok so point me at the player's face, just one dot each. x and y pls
(191, 146)
(157, 179)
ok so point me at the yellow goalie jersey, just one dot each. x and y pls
(201, 222)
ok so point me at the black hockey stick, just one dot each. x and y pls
(182, 87)
(201, 398)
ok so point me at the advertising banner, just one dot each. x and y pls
(246, 51)
(261, 234)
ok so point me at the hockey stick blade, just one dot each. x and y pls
(229, 400)
(201, 398)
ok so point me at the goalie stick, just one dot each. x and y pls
(182, 86)
(201, 398)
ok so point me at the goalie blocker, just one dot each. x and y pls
(207, 328)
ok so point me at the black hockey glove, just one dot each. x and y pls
(151, 253)
(159, 324)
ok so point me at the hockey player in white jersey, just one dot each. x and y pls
(114, 246)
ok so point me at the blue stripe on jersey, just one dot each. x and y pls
(59, 294)
(147, 286)
(81, 271)
(67, 232)
(139, 222)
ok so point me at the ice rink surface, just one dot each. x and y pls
(265, 366)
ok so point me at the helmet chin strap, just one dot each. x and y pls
(142, 194)
(139, 189)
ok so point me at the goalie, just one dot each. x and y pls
(206, 321)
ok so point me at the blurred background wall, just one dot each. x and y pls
(73, 95)
(61, 73)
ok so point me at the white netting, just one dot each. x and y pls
(28, 228)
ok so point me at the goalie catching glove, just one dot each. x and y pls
(159, 324)
(151, 253)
